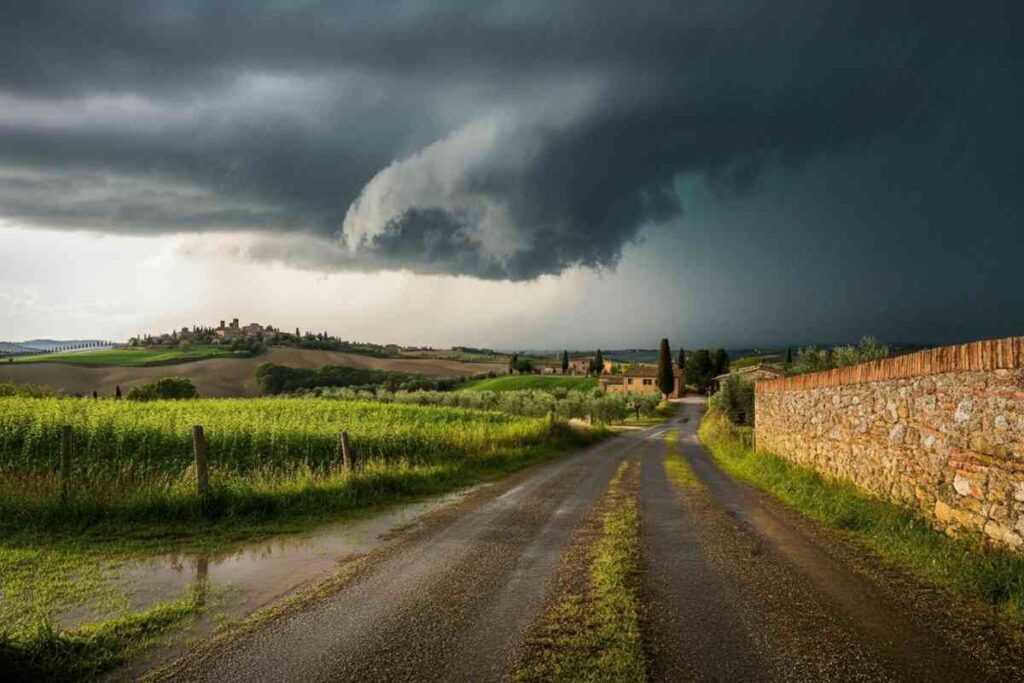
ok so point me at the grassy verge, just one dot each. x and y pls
(593, 632)
(963, 566)
(48, 653)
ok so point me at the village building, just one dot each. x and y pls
(228, 333)
(581, 366)
(752, 373)
(640, 379)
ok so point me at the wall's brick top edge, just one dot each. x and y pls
(989, 354)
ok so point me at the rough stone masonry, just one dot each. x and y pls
(940, 430)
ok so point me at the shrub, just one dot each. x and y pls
(26, 390)
(164, 388)
(736, 400)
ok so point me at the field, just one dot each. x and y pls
(747, 361)
(535, 382)
(140, 357)
(134, 460)
(274, 467)
(219, 377)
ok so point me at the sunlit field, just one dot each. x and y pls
(266, 456)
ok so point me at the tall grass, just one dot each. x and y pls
(267, 455)
(994, 577)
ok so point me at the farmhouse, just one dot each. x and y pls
(581, 366)
(752, 373)
(640, 379)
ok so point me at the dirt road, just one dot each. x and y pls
(735, 588)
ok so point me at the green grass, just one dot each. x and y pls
(274, 469)
(747, 361)
(129, 357)
(595, 635)
(48, 653)
(993, 578)
(268, 457)
(662, 413)
(541, 382)
(677, 468)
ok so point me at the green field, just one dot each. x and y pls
(274, 468)
(133, 459)
(128, 357)
(747, 361)
(536, 382)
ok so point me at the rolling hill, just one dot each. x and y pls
(221, 377)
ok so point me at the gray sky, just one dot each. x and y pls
(514, 174)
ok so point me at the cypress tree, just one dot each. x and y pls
(681, 361)
(701, 369)
(598, 366)
(789, 357)
(720, 360)
(565, 362)
(117, 391)
(666, 378)
(512, 362)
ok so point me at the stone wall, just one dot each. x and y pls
(941, 431)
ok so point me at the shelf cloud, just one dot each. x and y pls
(499, 140)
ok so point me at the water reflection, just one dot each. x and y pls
(255, 574)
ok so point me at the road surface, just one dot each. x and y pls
(735, 588)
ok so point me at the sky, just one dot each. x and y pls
(514, 174)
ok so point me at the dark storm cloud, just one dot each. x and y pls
(495, 139)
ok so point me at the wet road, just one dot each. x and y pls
(736, 588)
(740, 588)
(450, 605)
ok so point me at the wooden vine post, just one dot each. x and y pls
(202, 462)
(66, 444)
(347, 460)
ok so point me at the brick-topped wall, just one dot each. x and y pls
(940, 430)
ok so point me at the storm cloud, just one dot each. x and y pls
(501, 140)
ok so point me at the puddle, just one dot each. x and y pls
(251, 576)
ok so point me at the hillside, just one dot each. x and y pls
(221, 377)
(141, 357)
(544, 382)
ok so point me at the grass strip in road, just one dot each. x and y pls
(592, 633)
(677, 468)
(902, 538)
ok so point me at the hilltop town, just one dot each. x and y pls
(253, 338)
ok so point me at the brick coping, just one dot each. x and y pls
(987, 354)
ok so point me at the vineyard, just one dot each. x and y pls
(264, 453)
